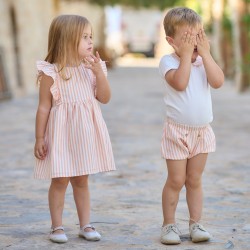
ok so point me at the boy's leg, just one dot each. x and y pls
(56, 197)
(82, 199)
(195, 168)
(170, 195)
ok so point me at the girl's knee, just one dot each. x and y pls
(79, 181)
(60, 182)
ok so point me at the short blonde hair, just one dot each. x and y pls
(64, 37)
(180, 16)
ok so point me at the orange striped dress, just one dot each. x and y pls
(76, 134)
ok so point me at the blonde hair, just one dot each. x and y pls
(179, 16)
(64, 37)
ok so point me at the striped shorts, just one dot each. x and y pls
(181, 141)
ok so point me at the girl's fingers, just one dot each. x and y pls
(98, 56)
(40, 152)
(44, 150)
(37, 154)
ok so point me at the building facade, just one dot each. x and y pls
(24, 26)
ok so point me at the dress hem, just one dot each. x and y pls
(72, 175)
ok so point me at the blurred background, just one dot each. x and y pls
(122, 29)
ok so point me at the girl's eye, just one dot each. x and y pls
(86, 37)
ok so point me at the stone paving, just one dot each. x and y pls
(126, 204)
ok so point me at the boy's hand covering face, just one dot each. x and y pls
(184, 44)
(203, 45)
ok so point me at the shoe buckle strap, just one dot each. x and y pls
(87, 226)
(56, 228)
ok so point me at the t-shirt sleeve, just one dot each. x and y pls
(167, 63)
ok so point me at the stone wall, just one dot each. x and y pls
(24, 26)
(23, 39)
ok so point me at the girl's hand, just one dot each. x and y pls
(40, 149)
(186, 46)
(203, 46)
(93, 62)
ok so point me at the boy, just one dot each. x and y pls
(188, 137)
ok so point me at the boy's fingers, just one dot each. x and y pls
(201, 34)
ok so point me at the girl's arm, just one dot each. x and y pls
(42, 115)
(103, 92)
(215, 75)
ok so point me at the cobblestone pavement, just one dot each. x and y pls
(126, 204)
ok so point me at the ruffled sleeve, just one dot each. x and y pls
(49, 70)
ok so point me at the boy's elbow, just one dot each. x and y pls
(181, 88)
(218, 83)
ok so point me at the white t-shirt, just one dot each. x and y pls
(193, 106)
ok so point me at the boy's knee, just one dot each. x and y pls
(176, 183)
(193, 182)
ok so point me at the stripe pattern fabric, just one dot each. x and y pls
(76, 136)
(181, 141)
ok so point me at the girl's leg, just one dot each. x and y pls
(195, 168)
(170, 195)
(56, 197)
(82, 199)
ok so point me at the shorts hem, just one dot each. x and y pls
(184, 158)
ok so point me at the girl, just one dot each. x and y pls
(188, 75)
(72, 140)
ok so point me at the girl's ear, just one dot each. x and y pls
(169, 40)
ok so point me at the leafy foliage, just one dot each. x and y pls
(161, 4)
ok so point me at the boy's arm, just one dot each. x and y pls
(214, 73)
(179, 78)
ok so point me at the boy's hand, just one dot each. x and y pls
(40, 149)
(186, 46)
(203, 46)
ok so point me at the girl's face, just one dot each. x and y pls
(179, 34)
(85, 47)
